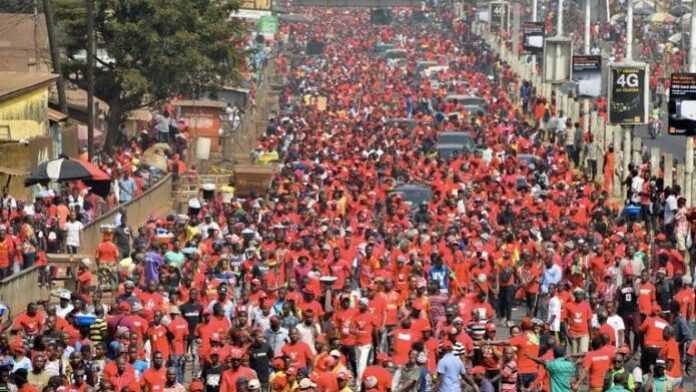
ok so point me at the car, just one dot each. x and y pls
(449, 150)
(432, 70)
(461, 138)
(414, 194)
(422, 65)
(471, 103)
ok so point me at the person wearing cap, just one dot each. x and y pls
(307, 385)
(578, 319)
(178, 330)
(254, 385)
(211, 371)
(483, 383)
(618, 367)
(235, 372)
(657, 380)
(364, 327)
(260, 355)
(451, 370)
(64, 305)
(379, 370)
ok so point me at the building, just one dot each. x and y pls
(22, 39)
(25, 140)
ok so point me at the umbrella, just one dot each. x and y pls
(686, 18)
(154, 156)
(66, 169)
(661, 17)
(679, 10)
(643, 7)
(675, 38)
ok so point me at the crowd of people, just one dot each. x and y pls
(517, 274)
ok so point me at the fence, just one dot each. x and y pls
(628, 149)
(357, 3)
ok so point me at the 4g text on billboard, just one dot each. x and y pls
(500, 16)
(628, 94)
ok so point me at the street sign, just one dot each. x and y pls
(682, 104)
(587, 73)
(500, 16)
(533, 37)
(628, 94)
(558, 52)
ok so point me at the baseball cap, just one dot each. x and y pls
(337, 354)
(254, 384)
(306, 383)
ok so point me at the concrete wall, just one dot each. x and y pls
(155, 202)
(18, 290)
(26, 115)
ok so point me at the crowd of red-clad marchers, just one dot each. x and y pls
(519, 273)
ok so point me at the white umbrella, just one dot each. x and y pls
(675, 38)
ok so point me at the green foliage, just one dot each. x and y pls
(150, 50)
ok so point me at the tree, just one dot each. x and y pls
(150, 50)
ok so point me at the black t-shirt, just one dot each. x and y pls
(628, 303)
(122, 236)
(192, 313)
(260, 361)
(212, 377)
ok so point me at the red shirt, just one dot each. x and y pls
(384, 378)
(525, 346)
(29, 324)
(154, 379)
(403, 342)
(342, 320)
(300, 354)
(107, 252)
(158, 339)
(230, 377)
(652, 328)
(178, 328)
(362, 327)
(597, 363)
(578, 316)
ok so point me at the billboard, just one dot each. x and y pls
(500, 16)
(533, 37)
(587, 73)
(558, 52)
(682, 104)
(261, 5)
(628, 94)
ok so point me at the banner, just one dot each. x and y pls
(533, 37)
(263, 5)
(500, 16)
(682, 104)
(628, 94)
(267, 25)
(587, 73)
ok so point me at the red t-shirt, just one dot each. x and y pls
(154, 379)
(230, 377)
(578, 316)
(299, 353)
(362, 327)
(597, 363)
(178, 328)
(525, 346)
(652, 327)
(107, 252)
(403, 342)
(384, 378)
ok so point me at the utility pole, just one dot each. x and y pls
(559, 19)
(629, 32)
(692, 39)
(585, 101)
(36, 37)
(90, 78)
(534, 19)
(55, 56)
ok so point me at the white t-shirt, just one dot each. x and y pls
(73, 229)
(670, 208)
(616, 322)
(555, 310)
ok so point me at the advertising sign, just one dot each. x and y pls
(558, 52)
(533, 36)
(628, 94)
(682, 104)
(500, 16)
(587, 73)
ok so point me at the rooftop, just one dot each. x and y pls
(16, 83)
